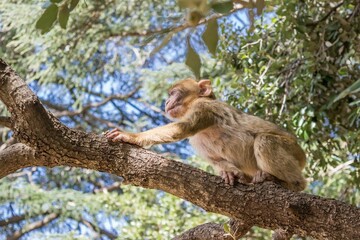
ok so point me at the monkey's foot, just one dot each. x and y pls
(242, 178)
(262, 176)
(229, 177)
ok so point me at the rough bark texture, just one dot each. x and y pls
(44, 141)
(205, 231)
(216, 231)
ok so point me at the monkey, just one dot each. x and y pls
(238, 145)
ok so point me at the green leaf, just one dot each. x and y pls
(193, 60)
(45, 22)
(191, 3)
(226, 227)
(73, 4)
(164, 42)
(306, 136)
(355, 87)
(223, 7)
(184, 3)
(211, 36)
(63, 16)
(55, 1)
(343, 71)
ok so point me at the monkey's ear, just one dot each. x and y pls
(205, 88)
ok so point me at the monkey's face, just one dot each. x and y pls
(174, 104)
(183, 93)
(180, 97)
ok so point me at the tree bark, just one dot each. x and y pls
(205, 231)
(44, 141)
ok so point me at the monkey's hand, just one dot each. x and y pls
(116, 135)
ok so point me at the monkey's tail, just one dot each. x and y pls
(298, 185)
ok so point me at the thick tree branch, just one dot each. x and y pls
(266, 205)
(33, 226)
(216, 231)
(205, 231)
(15, 157)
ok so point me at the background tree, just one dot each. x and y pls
(296, 64)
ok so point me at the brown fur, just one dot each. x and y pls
(237, 144)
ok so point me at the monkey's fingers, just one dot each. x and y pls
(121, 137)
(112, 135)
(242, 178)
(228, 177)
(231, 177)
(126, 138)
(109, 133)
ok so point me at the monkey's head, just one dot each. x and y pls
(185, 92)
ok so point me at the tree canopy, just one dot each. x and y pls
(97, 65)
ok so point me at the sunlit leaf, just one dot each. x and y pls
(211, 36)
(45, 22)
(226, 227)
(63, 16)
(223, 7)
(193, 60)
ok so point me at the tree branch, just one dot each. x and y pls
(101, 230)
(50, 143)
(15, 157)
(64, 112)
(11, 220)
(205, 231)
(174, 28)
(5, 121)
(216, 231)
(33, 226)
(312, 24)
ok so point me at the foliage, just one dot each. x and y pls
(298, 71)
(104, 64)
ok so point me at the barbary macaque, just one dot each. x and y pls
(240, 146)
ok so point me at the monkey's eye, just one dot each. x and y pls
(172, 92)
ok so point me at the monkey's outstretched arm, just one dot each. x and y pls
(169, 133)
(165, 134)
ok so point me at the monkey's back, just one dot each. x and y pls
(232, 136)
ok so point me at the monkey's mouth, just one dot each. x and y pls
(171, 109)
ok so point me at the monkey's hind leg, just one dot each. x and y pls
(262, 176)
(276, 155)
